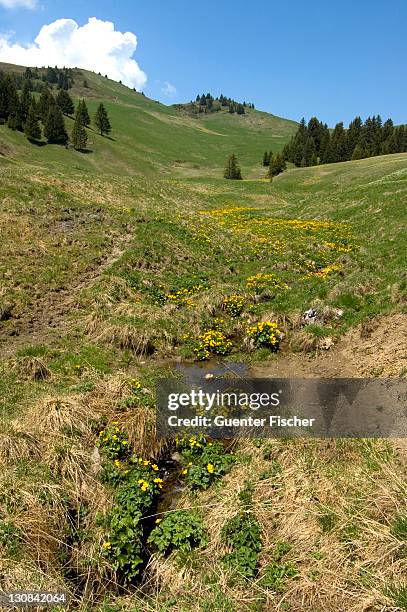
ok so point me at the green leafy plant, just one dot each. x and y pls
(265, 334)
(138, 489)
(181, 530)
(204, 461)
(243, 534)
(233, 305)
(212, 342)
(277, 572)
(399, 527)
(10, 539)
(113, 442)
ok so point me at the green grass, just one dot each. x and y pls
(104, 239)
(149, 138)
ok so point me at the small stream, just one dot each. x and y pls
(191, 373)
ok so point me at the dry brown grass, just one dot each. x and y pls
(53, 415)
(16, 445)
(357, 558)
(32, 368)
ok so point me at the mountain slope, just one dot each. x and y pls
(149, 137)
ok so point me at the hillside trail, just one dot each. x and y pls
(47, 318)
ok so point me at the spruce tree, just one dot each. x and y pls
(46, 101)
(54, 128)
(32, 127)
(8, 97)
(277, 166)
(101, 120)
(232, 170)
(310, 152)
(358, 152)
(79, 137)
(25, 101)
(83, 109)
(64, 101)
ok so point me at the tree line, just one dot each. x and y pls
(314, 143)
(206, 103)
(23, 111)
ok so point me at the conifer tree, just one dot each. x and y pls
(25, 101)
(232, 170)
(54, 128)
(32, 127)
(79, 136)
(277, 166)
(64, 101)
(8, 97)
(83, 109)
(358, 152)
(46, 101)
(101, 120)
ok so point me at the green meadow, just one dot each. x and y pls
(114, 264)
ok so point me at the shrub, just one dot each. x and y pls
(265, 334)
(181, 530)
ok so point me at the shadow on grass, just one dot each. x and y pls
(37, 143)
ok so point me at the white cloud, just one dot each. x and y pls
(169, 89)
(16, 3)
(95, 46)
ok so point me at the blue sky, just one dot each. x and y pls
(330, 59)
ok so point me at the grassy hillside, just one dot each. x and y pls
(150, 138)
(113, 265)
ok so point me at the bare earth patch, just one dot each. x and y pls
(375, 348)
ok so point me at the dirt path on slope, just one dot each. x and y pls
(376, 348)
(47, 318)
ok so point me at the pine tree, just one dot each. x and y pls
(32, 127)
(46, 101)
(358, 152)
(64, 101)
(232, 170)
(83, 109)
(8, 97)
(277, 166)
(54, 128)
(25, 101)
(310, 152)
(354, 136)
(79, 137)
(101, 120)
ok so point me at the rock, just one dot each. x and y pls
(96, 461)
(326, 343)
(309, 316)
